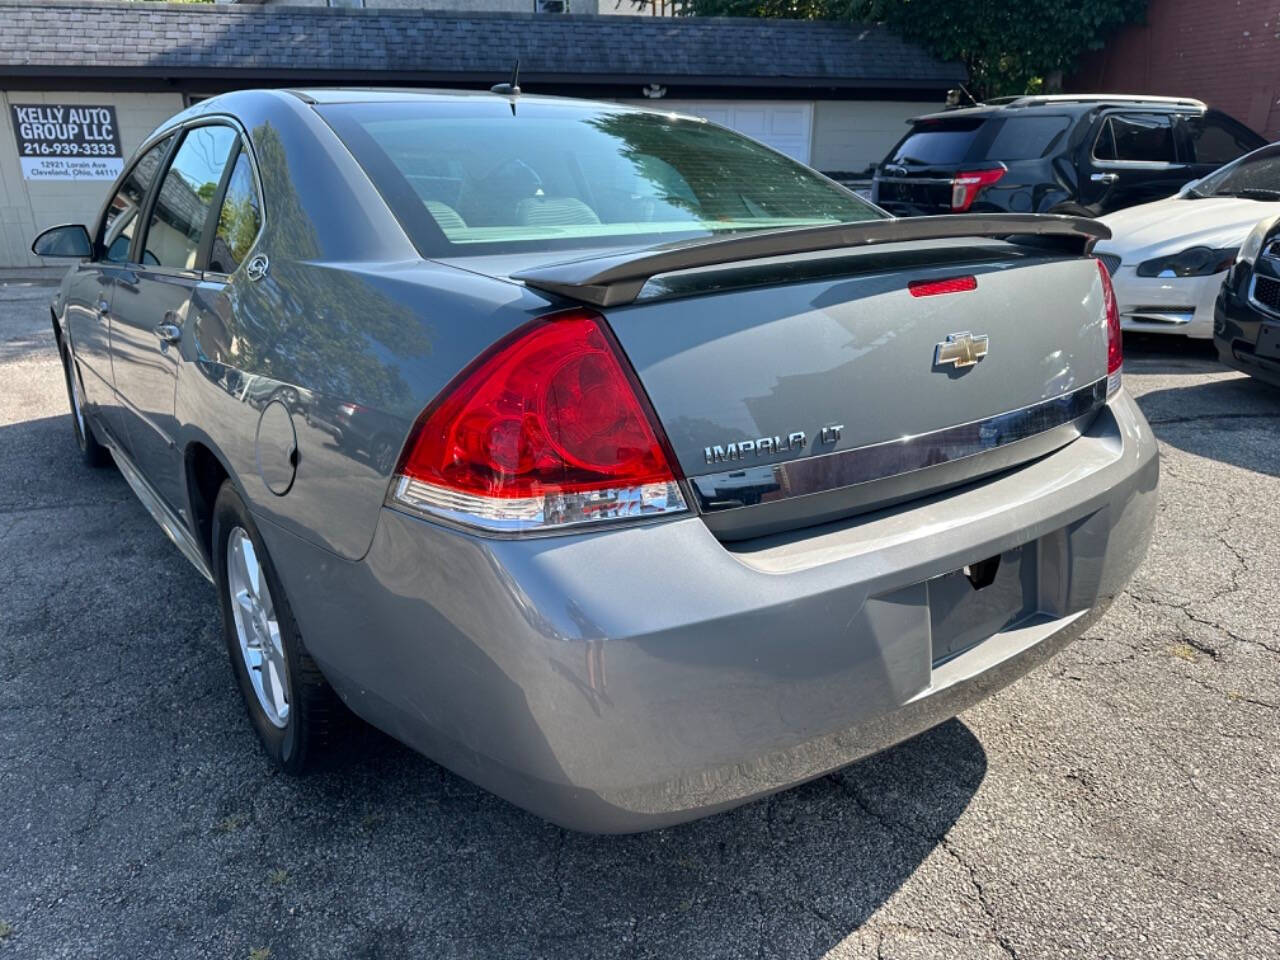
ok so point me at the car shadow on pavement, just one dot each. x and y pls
(1169, 355)
(152, 816)
(1233, 421)
(791, 875)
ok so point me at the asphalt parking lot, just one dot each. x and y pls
(1119, 802)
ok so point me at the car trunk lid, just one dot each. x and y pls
(797, 403)
(803, 387)
(913, 191)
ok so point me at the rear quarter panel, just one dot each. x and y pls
(346, 314)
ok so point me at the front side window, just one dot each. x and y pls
(186, 194)
(1136, 138)
(474, 177)
(121, 220)
(238, 220)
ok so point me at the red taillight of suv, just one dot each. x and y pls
(1115, 341)
(547, 429)
(966, 184)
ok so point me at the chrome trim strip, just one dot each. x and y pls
(884, 178)
(1170, 316)
(174, 528)
(737, 489)
(542, 515)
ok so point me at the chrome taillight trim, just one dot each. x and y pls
(553, 512)
(1115, 380)
(734, 489)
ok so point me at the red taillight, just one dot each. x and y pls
(547, 428)
(1115, 342)
(966, 184)
(931, 288)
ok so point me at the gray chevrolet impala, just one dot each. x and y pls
(611, 459)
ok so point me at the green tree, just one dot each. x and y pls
(1008, 48)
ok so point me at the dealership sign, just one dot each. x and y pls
(64, 142)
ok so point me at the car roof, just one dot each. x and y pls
(326, 95)
(1061, 104)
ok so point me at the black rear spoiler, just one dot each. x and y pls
(618, 278)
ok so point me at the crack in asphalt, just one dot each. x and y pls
(943, 842)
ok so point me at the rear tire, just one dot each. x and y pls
(296, 714)
(92, 452)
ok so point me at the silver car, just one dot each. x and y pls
(611, 459)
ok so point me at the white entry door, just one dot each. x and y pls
(786, 126)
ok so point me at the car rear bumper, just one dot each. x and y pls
(1175, 305)
(640, 677)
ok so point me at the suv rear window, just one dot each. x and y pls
(1026, 138)
(936, 142)
(488, 176)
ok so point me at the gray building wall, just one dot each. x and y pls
(846, 136)
(851, 135)
(27, 207)
(461, 6)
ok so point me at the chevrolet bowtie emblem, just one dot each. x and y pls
(960, 349)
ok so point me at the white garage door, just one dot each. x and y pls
(784, 126)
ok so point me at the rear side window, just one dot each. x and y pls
(936, 142)
(186, 194)
(121, 220)
(488, 176)
(1136, 138)
(1027, 138)
(238, 220)
(1213, 141)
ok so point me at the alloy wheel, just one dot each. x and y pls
(257, 627)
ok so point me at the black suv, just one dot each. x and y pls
(1086, 155)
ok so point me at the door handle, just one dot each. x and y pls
(168, 332)
(1105, 177)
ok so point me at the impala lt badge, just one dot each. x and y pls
(758, 447)
(960, 349)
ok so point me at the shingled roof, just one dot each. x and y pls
(111, 38)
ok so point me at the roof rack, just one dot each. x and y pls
(1035, 100)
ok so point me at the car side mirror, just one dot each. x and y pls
(66, 240)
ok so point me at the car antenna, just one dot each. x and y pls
(953, 98)
(511, 89)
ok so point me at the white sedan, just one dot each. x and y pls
(1168, 258)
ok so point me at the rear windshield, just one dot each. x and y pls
(488, 176)
(936, 142)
